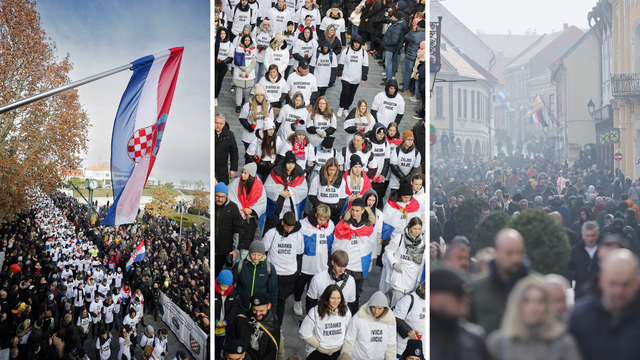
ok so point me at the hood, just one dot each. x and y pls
(226, 39)
(326, 43)
(394, 83)
(215, 286)
(556, 202)
(377, 299)
(586, 210)
(366, 195)
(365, 149)
(340, 15)
(610, 207)
(357, 39)
(280, 229)
(293, 97)
(301, 35)
(374, 131)
(278, 78)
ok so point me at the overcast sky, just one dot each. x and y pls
(498, 16)
(102, 35)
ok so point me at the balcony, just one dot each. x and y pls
(625, 85)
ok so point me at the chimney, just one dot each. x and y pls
(534, 32)
(443, 46)
(565, 26)
(500, 56)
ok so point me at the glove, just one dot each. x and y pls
(256, 159)
(397, 267)
(321, 132)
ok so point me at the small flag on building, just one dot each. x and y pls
(138, 129)
(504, 99)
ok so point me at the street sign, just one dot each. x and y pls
(433, 139)
(617, 156)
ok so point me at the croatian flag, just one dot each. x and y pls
(138, 129)
(137, 255)
(504, 99)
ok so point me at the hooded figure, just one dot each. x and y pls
(304, 47)
(277, 54)
(291, 116)
(371, 333)
(333, 17)
(224, 52)
(387, 106)
(322, 63)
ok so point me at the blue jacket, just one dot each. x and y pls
(412, 42)
(392, 37)
(600, 336)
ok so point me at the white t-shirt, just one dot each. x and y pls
(273, 91)
(330, 330)
(282, 251)
(327, 194)
(323, 63)
(387, 108)
(352, 62)
(320, 123)
(305, 84)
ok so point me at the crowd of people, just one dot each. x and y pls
(66, 292)
(488, 303)
(307, 210)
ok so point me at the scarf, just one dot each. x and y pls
(298, 148)
(254, 194)
(415, 246)
(397, 141)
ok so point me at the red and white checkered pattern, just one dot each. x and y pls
(140, 143)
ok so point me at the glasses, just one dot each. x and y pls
(220, 197)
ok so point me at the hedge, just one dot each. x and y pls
(485, 233)
(466, 215)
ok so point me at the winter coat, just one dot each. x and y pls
(577, 225)
(610, 208)
(393, 35)
(634, 207)
(581, 268)
(598, 209)
(230, 215)
(455, 339)
(602, 335)
(230, 304)
(557, 205)
(412, 43)
(369, 12)
(533, 348)
(244, 76)
(226, 154)
(420, 133)
(253, 279)
(361, 343)
(242, 329)
(489, 297)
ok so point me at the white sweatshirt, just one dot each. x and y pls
(320, 281)
(282, 251)
(329, 331)
(245, 113)
(387, 108)
(280, 57)
(262, 40)
(409, 278)
(305, 49)
(414, 317)
(327, 194)
(371, 338)
(273, 91)
(303, 12)
(305, 84)
(353, 62)
(323, 63)
(240, 19)
(316, 248)
(321, 123)
(406, 162)
(380, 154)
(349, 122)
(96, 308)
(288, 116)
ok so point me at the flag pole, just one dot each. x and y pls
(45, 94)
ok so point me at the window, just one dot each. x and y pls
(439, 101)
(464, 102)
(479, 110)
(473, 104)
(459, 103)
(552, 103)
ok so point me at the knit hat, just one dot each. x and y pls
(225, 277)
(268, 124)
(300, 130)
(258, 89)
(251, 168)
(217, 11)
(260, 299)
(405, 189)
(221, 188)
(149, 330)
(247, 26)
(572, 197)
(414, 348)
(402, 5)
(256, 246)
(183, 355)
(279, 36)
(289, 158)
(328, 142)
(355, 160)
(398, 15)
(537, 200)
(234, 347)
(407, 134)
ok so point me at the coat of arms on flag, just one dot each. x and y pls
(194, 345)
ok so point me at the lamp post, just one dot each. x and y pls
(434, 51)
(181, 207)
(592, 107)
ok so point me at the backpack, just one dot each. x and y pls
(330, 56)
(268, 267)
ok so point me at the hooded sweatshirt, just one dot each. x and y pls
(317, 243)
(329, 331)
(371, 338)
(354, 64)
(365, 154)
(351, 124)
(381, 152)
(275, 92)
(244, 64)
(290, 117)
(337, 21)
(303, 49)
(284, 250)
(279, 57)
(241, 16)
(322, 63)
(303, 12)
(319, 122)
(263, 40)
(279, 18)
(402, 163)
(388, 108)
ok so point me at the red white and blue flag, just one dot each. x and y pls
(138, 130)
(139, 254)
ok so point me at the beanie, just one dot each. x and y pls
(268, 124)
(398, 15)
(183, 354)
(225, 277)
(414, 348)
(405, 189)
(221, 188)
(279, 36)
(407, 134)
(328, 142)
(256, 246)
(251, 168)
(289, 158)
(300, 130)
(258, 89)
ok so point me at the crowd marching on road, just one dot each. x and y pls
(66, 292)
(488, 302)
(325, 182)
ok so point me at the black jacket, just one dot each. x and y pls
(335, 208)
(602, 335)
(230, 305)
(226, 154)
(241, 329)
(581, 268)
(420, 134)
(369, 12)
(454, 339)
(229, 215)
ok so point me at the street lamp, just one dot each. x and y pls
(592, 107)
(545, 128)
(434, 51)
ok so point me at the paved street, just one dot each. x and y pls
(226, 102)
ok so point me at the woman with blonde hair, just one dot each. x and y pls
(356, 181)
(359, 119)
(252, 115)
(322, 121)
(277, 54)
(530, 329)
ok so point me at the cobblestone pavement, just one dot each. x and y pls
(226, 106)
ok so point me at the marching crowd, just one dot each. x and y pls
(66, 288)
(307, 211)
(488, 303)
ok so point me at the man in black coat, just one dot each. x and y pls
(583, 264)
(245, 326)
(226, 212)
(226, 151)
(606, 325)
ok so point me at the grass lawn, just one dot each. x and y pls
(109, 192)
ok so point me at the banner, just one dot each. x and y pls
(184, 328)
